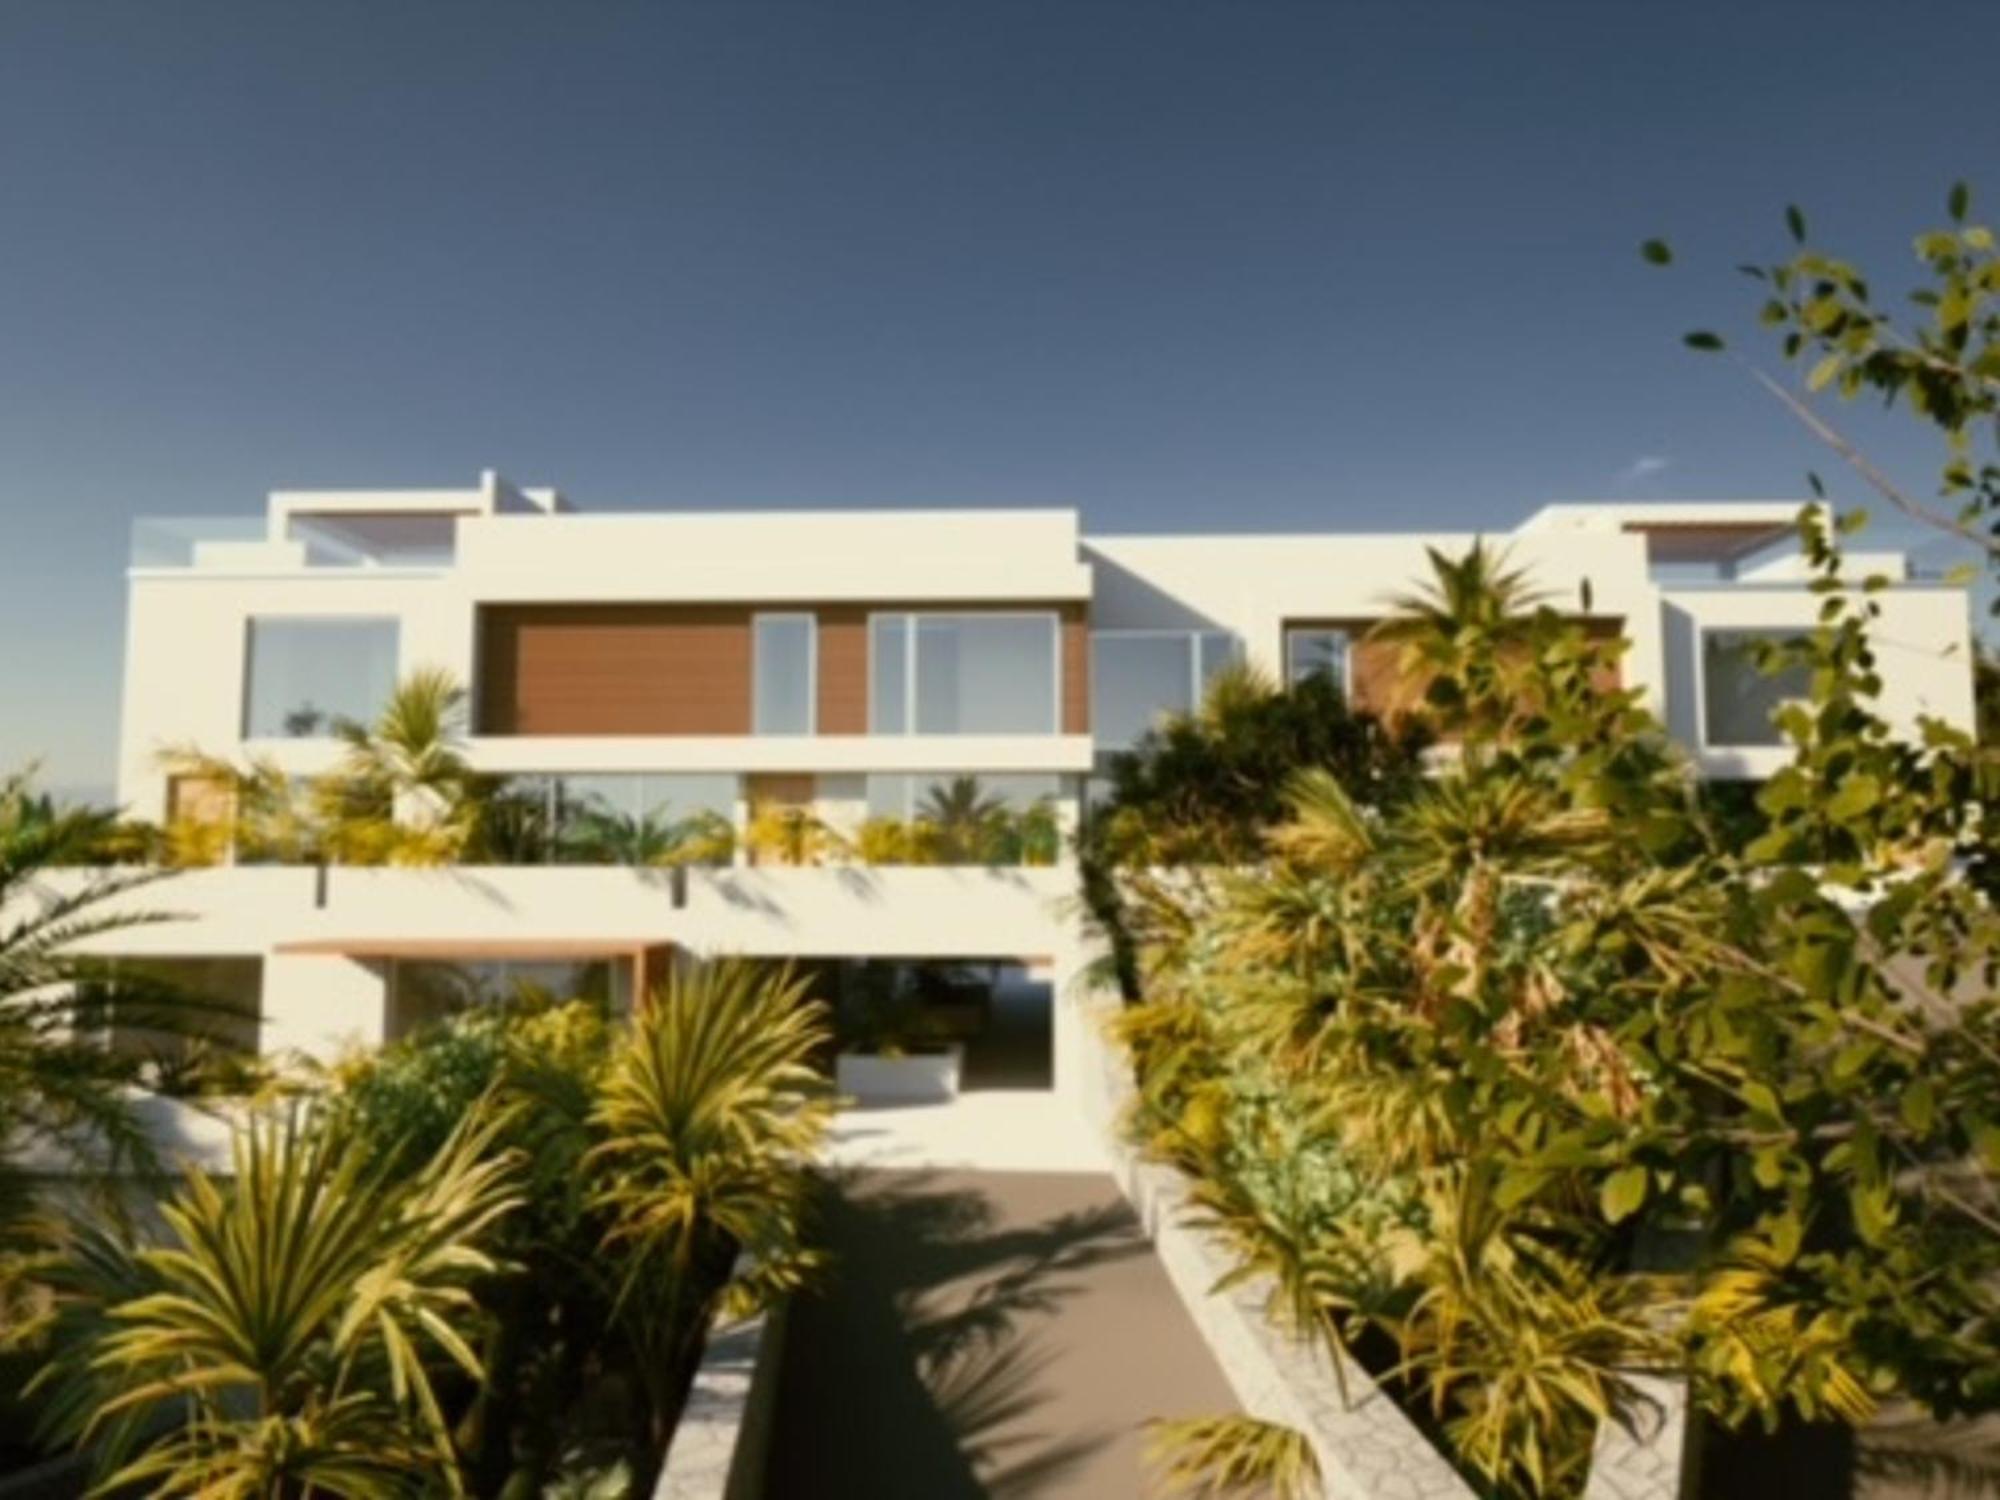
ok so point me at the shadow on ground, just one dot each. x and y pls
(981, 1334)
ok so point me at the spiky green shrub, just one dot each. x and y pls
(286, 1331)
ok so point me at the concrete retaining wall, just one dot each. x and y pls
(1367, 1448)
(719, 1449)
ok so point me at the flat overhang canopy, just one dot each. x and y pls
(471, 950)
(1707, 541)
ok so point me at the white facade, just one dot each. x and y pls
(1670, 576)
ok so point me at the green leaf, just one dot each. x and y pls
(1705, 341)
(1761, 1099)
(1856, 796)
(1959, 201)
(1920, 1106)
(1657, 252)
(1622, 1193)
(1874, 1211)
(1986, 1141)
(1517, 1186)
(1824, 371)
(1795, 222)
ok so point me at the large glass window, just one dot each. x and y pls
(1315, 651)
(168, 1013)
(783, 675)
(424, 992)
(1739, 702)
(1138, 677)
(962, 674)
(939, 794)
(889, 674)
(622, 817)
(303, 676)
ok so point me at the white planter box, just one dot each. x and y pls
(915, 1078)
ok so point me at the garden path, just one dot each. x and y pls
(982, 1333)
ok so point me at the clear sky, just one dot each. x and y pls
(1183, 266)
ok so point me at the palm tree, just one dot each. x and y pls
(405, 792)
(707, 1121)
(602, 834)
(1463, 637)
(966, 819)
(59, 1083)
(281, 1336)
(257, 812)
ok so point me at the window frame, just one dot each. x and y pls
(1193, 636)
(758, 619)
(1701, 639)
(910, 617)
(246, 683)
(1345, 679)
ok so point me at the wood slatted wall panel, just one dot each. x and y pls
(668, 669)
(843, 669)
(614, 669)
(1075, 669)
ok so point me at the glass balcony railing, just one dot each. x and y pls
(170, 541)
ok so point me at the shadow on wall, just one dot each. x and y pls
(919, 1368)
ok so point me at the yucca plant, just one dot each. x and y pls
(707, 1120)
(286, 1332)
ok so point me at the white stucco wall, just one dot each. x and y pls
(1922, 642)
(186, 627)
(1251, 585)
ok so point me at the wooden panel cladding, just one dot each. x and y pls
(1375, 676)
(1075, 669)
(843, 669)
(614, 669)
(668, 669)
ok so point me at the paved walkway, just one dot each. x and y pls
(1000, 1334)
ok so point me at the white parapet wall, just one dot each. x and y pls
(327, 938)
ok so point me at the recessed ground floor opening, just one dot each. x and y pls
(989, 1022)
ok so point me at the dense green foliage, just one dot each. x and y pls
(1532, 1071)
(1201, 790)
(484, 1261)
(285, 1333)
(1548, 1077)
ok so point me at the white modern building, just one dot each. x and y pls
(845, 662)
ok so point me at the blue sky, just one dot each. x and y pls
(1183, 266)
